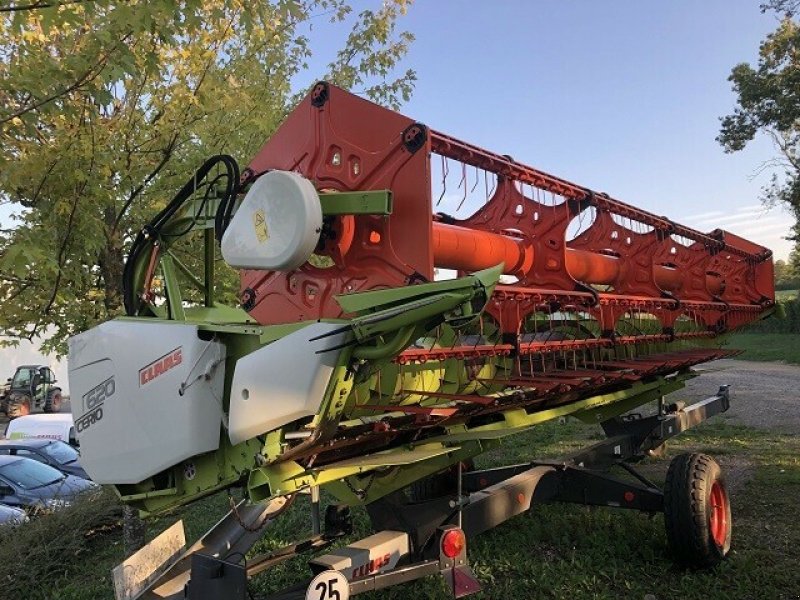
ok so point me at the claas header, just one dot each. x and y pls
(407, 300)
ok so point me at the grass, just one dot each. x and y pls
(768, 346)
(784, 295)
(555, 552)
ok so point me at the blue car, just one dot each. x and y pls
(29, 484)
(55, 453)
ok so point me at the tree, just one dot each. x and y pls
(768, 101)
(788, 8)
(106, 109)
(793, 267)
(781, 274)
(787, 275)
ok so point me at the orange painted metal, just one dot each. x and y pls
(593, 268)
(345, 143)
(648, 263)
(468, 250)
(464, 249)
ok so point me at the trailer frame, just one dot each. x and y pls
(414, 531)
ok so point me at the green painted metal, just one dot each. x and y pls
(385, 323)
(210, 252)
(173, 291)
(397, 343)
(268, 469)
(376, 202)
(402, 455)
(384, 472)
(608, 410)
(378, 484)
(187, 272)
(363, 302)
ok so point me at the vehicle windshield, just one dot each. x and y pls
(62, 453)
(22, 379)
(29, 474)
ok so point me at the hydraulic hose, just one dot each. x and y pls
(152, 231)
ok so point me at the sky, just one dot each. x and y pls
(620, 96)
(623, 97)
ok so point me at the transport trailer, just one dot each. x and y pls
(424, 530)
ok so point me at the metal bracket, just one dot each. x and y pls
(213, 578)
(378, 202)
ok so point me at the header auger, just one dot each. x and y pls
(352, 363)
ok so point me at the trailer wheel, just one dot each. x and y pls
(697, 511)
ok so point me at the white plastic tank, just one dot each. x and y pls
(277, 225)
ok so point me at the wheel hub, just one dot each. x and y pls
(719, 514)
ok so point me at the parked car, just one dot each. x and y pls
(55, 453)
(29, 484)
(10, 515)
(50, 427)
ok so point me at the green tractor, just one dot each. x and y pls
(32, 387)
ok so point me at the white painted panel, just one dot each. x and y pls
(145, 396)
(281, 382)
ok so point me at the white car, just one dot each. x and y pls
(57, 426)
(10, 515)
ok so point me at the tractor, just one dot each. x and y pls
(32, 387)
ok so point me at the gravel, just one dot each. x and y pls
(764, 395)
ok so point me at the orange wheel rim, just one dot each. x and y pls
(719, 514)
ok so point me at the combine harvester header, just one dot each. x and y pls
(348, 366)
(342, 142)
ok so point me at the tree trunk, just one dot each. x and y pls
(111, 262)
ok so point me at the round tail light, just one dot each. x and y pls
(453, 542)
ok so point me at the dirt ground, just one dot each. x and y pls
(764, 395)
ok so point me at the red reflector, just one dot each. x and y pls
(629, 496)
(453, 543)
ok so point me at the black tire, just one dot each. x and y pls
(18, 405)
(697, 511)
(53, 401)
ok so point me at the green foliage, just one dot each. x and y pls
(784, 278)
(52, 548)
(781, 276)
(785, 320)
(768, 98)
(787, 273)
(785, 295)
(108, 107)
(784, 7)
